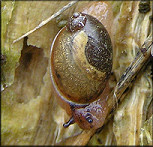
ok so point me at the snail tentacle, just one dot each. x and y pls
(70, 122)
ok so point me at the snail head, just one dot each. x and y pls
(91, 116)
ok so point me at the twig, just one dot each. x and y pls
(47, 20)
(130, 73)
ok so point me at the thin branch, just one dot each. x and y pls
(47, 20)
(130, 73)
(137, 64)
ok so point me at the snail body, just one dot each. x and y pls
(81, 64)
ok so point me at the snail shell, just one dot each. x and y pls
(81, 59)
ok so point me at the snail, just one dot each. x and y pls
(81, 64)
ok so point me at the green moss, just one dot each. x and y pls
(146, 133)
(6, 13)
(10, 30)
(116, 6)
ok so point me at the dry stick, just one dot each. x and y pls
(47, 20)
(127, 78)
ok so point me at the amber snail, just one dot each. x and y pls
(81, 64)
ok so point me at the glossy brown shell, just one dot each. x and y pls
(81, 59)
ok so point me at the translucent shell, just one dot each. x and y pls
(81, 59)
